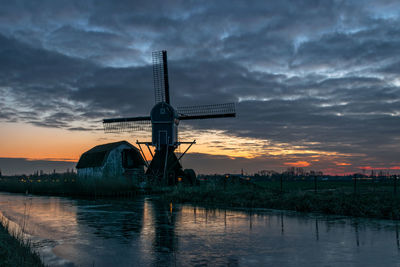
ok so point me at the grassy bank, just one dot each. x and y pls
(15, 252)
(376, 204)
(68, 184)
(369, 198)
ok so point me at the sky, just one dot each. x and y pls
(316, 83)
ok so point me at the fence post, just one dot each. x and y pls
(225, 178)
(315, 184)
(355, 184)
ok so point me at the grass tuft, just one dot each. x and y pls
(15, 251)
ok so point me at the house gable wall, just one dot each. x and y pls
(113, 164)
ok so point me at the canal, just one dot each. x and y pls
(148, 232)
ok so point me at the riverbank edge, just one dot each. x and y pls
(15, 251)
(377, 206)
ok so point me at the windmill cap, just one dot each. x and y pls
(163, 112)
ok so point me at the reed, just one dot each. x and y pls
(341, 202)
(69, 184)
(15, 250)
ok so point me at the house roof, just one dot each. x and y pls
(96, 156)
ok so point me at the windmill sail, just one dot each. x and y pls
(207, 111)
(160, 76)
(127, 124)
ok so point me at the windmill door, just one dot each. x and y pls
(162, 137)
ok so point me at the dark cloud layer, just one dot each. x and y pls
(317, 74)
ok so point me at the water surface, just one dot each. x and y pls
(147, 232)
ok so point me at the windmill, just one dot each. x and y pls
(164, 119)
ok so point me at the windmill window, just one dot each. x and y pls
(162, 110)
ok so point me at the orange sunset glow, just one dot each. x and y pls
(51, 144)
(38, 143)
(298, 164)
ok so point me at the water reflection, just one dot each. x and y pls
(165, 241)
(115, 219)
(148, 232)
(357, 234)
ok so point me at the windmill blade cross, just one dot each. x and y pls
(207, 111)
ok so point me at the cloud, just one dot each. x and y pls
(317, 75)
(205, 163)
(343, 164)
(298, 164)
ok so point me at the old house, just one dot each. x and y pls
(111, 160)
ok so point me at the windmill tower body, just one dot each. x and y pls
(164, 120)
(165, 166)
